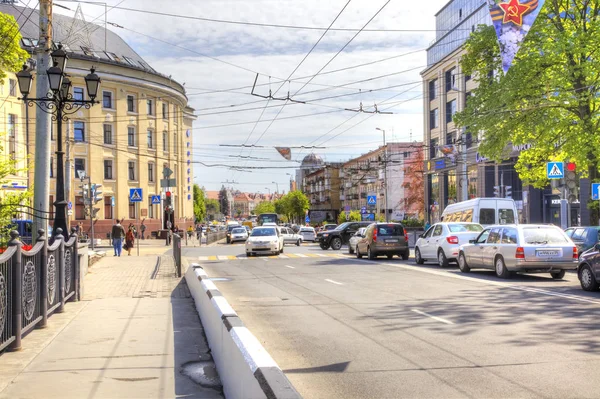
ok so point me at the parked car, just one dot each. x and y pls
(238, 234)
(383, 239)
(528, 248)
(355, 239)
(588, 269)
(289, 237)
(443, 240)
(485, 211)
(340, 235)
(584, 237)
(264, 239)
(308, 234)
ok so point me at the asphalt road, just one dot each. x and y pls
(347, 328)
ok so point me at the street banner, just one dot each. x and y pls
(285, 152)
(449, 150)
(512, 20)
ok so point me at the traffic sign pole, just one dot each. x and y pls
(137, 205)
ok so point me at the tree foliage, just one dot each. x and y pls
(548, 100)
(413, 184)
(212, 207)
(264, 207)
(199, 203)
(9, 202)
(224, 201)
(354, 216)
(13, 56)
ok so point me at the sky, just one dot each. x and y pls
(219, 62)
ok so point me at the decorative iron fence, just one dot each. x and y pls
(35, 284)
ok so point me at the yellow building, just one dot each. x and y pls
(141, 126)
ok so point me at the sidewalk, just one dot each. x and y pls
(135, 335)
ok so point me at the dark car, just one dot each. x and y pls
(584, 237)
(341, 235)
(323, 229)
(588, 270)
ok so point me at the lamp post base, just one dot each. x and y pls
(60, 218)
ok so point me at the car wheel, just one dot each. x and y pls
(324, 246)
(501, 270)
(442, 260)
(370, 254)
(462, 263)
(350, 250)
(418, 259)
(358, 254)
(281, 251)
(405, 255)
(336, 243)
(558, 275)
(587, 279)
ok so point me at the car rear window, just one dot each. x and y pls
(390, 230)
(237, 231)
(307, 231)
(461, 228)
(544, 235)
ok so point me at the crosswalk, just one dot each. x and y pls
(338, 255)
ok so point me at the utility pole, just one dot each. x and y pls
(385, 181)
(68, 168)
(41, 188)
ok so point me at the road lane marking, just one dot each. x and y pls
(292, 256)
(212, 257)
(301, 255)
(282, 256)
(312, 255)
(202, 257)
(291, 267)
(333, 282)
(321, 255)
(222, 257)
(232, 257)
(432, 316)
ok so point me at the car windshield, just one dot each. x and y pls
(263, 232)
(330, 226)
(238, 231)
(544, 235)
(305, 230)
(464, 227)
(390, 230)
(342, 226)
(232, 226)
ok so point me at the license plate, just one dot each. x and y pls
(390, 241)
(546, 253)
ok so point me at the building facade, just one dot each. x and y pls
(141, 126)
(322, 187)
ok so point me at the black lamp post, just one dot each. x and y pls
(60, 103)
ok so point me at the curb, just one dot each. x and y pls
(246, 369)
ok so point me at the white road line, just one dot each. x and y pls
(291, 267)
(333, 282)
(222, 257)
(302, 255)
(322, 255)
(282, 256)
(202, 257)
(432, 316)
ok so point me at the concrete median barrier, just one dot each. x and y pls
(245, 367)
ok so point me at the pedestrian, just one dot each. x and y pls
(169, 225)
(117, 233)
(199, 232)
(143, 229)
(427, 226)
(129, 240)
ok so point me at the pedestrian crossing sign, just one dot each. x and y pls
(156, 200)
(555, 170)
(135, 195)
(371, 200)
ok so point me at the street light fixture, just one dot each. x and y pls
(277, 185)
(60, 103)
(385, 183)
(267, 188)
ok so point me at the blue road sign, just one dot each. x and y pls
(156, 200)
(368, 216)
(70, 205)
(112, 201)
(596, 191)
(371, 200)
(363, 210)
(135, 195)
(307, 219)
(555, 170)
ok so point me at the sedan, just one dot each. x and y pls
(238, 234)
(442, 241)
(289, 237)
(588, 270)
(528, 248)
(355, 239)
(264, 239)
(584, 237)
(308, 234)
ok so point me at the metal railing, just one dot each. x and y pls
(177, 253)
(35, 283)
(214, 237)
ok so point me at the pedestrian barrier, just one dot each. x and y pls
(245, 368)
(214, 237)
(177, 253)
(35, 284)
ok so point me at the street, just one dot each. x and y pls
(340, 327)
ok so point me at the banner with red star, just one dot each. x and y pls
(512, 20)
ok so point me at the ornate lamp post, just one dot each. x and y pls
(60, 103)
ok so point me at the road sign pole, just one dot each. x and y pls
(137, 205)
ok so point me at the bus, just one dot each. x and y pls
(267, 218)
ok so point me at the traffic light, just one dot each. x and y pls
(168, 199)
(497, 191)
(96, 193)
(507, 191)
(571, 181)
(84, 190)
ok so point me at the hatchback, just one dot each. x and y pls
(383, 239)
(442, 241)
(308, 234)
(528, 248)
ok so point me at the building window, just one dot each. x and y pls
(450, 138)
(434, 117)
(13, 87)
(150, 138)
(469, 139)
(107, 99)
(78, 94)
(108, 169)
(79, 165)
(451, 79)
(51, 167)
(433, 89)
(79, 131)
(165, 111)
(176, 143)
(12, 136)
(450, 110)
(467, 77)
(51, 206)
(433, 144)
(108, 136)
(174, 113)
(131, 136)
(165, 142)
(150, 208)
(150, 105)
(79, 208)
(131, 170)
(130, 103)
(108, 209)
(151, 173)
(132, 210)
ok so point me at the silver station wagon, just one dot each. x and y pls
(527, 248)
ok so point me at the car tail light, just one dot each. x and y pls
(520, 254)
(374, 234)
(452, 239)
(575, 255)
(405, 233)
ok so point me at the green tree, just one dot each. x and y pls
(224, 201)
(199, 203)
(212, 207)
(354, 216)
(264, 207)
(296, 203)
(13, 56)
(548, 99)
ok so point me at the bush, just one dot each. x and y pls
(413, 222)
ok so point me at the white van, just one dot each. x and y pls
(485, 211)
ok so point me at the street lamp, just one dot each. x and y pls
(277, 185)
(267, 188)
(60, 103)
(385, 174)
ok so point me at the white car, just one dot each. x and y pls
(264, 239)
(355, 239)
(289, 237)
(238, 234)
(308, 234)
(443, 240)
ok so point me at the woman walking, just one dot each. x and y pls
(129, 239)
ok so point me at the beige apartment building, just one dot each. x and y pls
(141, 126)
(322, 187)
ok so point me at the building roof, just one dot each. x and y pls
(311, 160)
(212, 195)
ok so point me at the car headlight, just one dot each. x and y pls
(325, 234)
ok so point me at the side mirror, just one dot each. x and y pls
(472, 241)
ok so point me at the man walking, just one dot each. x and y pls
(143, 228)
(117, 233)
